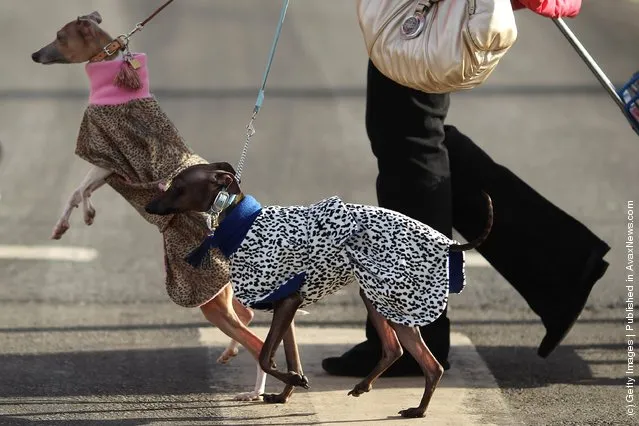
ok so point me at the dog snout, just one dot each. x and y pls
(49, 54)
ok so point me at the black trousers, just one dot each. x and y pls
(537, 247)
(435, 174)
(406, 131)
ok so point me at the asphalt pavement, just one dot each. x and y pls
(87, 333)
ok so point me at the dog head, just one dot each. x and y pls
(194, 189)
(76, 42)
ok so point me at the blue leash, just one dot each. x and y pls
(250, 130)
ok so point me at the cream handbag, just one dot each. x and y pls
(437, 46)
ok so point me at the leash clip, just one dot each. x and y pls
(138, 27)
(250, 132)
(250, 128)
(126, 38)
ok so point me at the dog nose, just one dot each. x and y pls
(35, 57)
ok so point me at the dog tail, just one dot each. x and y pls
(477, 241)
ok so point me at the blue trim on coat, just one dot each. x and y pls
(229, 234)
(456, 276)
(282, 292)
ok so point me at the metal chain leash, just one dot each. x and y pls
(250, 128)
(250, 131)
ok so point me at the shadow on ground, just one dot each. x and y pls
(184, 371)
(520, 367)
(137, 387)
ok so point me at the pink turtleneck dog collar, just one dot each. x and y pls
(104, 92)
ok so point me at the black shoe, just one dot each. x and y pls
(360, 360)
(558, 327)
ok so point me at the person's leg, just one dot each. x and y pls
(406, 130)
(549, 257)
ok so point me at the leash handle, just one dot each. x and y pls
(250, 129)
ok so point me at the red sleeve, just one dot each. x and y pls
(550, 8)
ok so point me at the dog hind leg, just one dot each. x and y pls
(391, 349)
(411, 339)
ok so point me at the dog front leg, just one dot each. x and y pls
(63, 225)
(246, 316)
(221, 313)
(284, 312)
(93, 180)
(87, 207)
(391, 349)
(293, 363)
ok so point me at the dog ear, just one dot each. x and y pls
(93, 16)
(86, 29)
(223, 166)
(224, 179)
(217, 174)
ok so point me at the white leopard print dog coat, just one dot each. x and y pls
(403, 266)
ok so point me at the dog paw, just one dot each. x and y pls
(227, 355)
(59, 230)
(248, 396)
(412, 413)
(360, 388)
(89, 216)
(294, 379)
(274, 398)
(89, 211)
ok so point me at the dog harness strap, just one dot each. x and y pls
(250, 130)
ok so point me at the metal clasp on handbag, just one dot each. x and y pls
(414, 25)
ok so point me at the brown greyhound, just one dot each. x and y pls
(301, 254)
(83, 41)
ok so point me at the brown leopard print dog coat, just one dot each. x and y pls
(131, 136)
